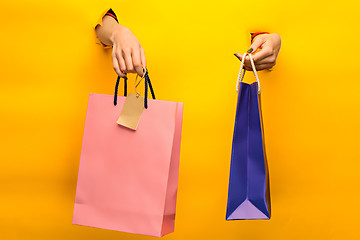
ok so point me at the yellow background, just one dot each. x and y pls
(49, 64)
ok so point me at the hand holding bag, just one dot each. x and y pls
(249, 193)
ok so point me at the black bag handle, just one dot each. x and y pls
(147, 84)
(117, 86)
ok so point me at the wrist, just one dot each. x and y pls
(115, 33)
(275, 36)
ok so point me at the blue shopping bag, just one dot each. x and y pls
(249, 195)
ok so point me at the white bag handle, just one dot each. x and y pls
(242, 73)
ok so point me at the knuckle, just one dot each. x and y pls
(116, 66)
(272, 59)
(269, 51)
(116, 54)
(118, 72)
(137, 65)
(126, 50)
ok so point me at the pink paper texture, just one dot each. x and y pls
(128, 179)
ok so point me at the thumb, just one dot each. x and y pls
(259, 41)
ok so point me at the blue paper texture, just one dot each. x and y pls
(248, 196)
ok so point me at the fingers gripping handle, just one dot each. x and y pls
(242, 72)
(147, 85)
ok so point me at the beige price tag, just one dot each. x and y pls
(131, 111)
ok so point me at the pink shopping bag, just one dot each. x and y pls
(127, 179)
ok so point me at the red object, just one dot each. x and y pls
(253, 35)
(111, 15)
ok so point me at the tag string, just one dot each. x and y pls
(137, 83)
(147, 85)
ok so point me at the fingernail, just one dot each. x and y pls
(250, 50)
(236, 56)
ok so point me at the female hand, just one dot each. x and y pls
(128, 55)
(269, 45)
